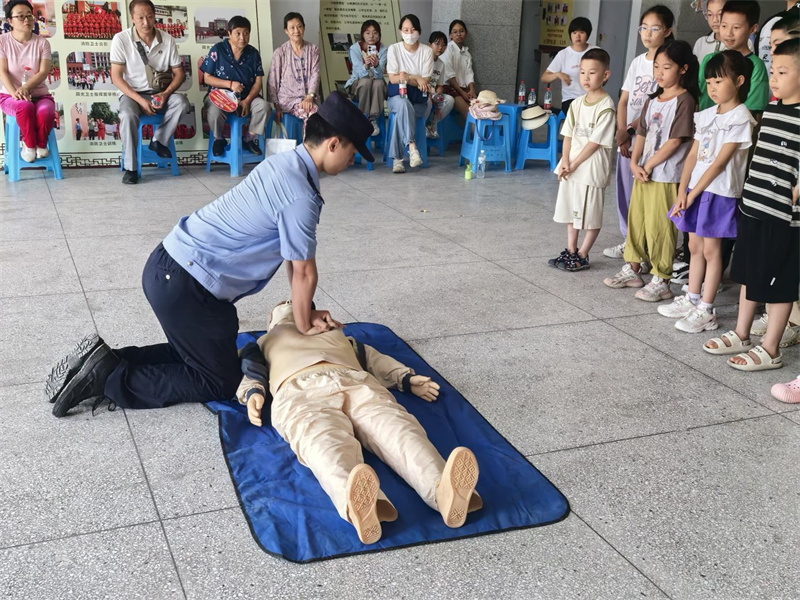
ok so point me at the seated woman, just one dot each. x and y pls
(24, 65)
(294, 72)
(410, 66)
(458, 65)
(366, 84)
(330, 397)
(234, 64)
(566, 66)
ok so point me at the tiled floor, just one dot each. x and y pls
(682, 473)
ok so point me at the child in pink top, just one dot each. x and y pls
(24, 64)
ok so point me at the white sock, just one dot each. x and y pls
(705, 306)
(694, 298)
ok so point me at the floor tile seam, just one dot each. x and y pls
(692, 367)
(625, 558)
(201, 513)
(79, 534)
(501, 330)
(389, 206)
(415, 265)
(687, 429)
(155, 504)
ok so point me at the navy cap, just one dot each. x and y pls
(341, 114)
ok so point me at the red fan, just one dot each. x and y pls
(226, 100)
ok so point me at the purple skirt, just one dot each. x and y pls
(709, 216)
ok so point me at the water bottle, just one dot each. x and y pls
(548, 98)
(25, 75)
(521, 92)
(468, 172)
(403, 88)
(532, 97)
(482, 165)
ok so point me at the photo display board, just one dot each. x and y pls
(80, 33)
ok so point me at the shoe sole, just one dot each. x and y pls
(459, 478)
(67, 366)
(362, 499)
(633, 283)
(60, 407)
(710, 326)
(613, 256)
(659, 298)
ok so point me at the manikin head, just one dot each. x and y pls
(281, 314)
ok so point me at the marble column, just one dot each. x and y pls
(493, 39)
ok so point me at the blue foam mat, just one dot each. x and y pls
(291, 516)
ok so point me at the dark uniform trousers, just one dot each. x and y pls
(200, 361)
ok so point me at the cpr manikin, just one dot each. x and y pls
(326, 405)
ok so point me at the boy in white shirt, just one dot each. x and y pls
(440, 103)
(585, 165)
(566, 65)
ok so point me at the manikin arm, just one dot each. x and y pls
(394, 374)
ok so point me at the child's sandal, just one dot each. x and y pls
(737, 345)
(767, 362)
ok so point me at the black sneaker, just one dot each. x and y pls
(252, 147)
(66, 368)
(89, 381)
(130, 177)
(560, 259)
(218, 147)
(160, 149)
(575, 263)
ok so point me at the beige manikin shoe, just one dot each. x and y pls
(362, 503)
(455, 493)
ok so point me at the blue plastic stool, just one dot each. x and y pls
(374, 143)
(493, 137)
(561, 118)
(294, 127)
(145, 155)
(539, 151)
(234, 154)
(449, 133)
(419, 135)
(13, 159)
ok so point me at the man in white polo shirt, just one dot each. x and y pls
(140, 93)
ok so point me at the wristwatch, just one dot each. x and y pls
(311, 95)
(631, 131)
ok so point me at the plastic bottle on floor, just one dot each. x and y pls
(481, 165)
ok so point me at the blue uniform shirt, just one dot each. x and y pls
(234, 245)
(220, 63)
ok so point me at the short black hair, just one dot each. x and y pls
(788, 48)
(789, 23)
(731, 64)
(14, 3)
(414, 22)
(370, 23)
(599, 55)
(238, 22)
(291, 17)
(749, 8)
(318, 130)
(455, 22)
(580, 24)
(135, 3)
(437, 35)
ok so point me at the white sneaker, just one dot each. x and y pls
(376, 130)
(655, 291)
(624, 279)
(398, 166)
(42, 152)
(759, 327)
(644, 268)
(415, 160)
(28, 154)
(615, 251)
(677, 309)
(790, 337)
(430, 132)
(700, 319)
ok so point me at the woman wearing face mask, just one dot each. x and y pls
(366, 84)
(233, 64)
(410, 66)
(294, 72)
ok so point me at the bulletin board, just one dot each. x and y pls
(80, 32)
(555, 25)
